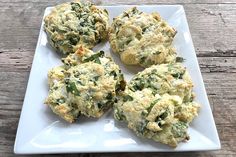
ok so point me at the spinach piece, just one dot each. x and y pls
(96, 78)
(128, 41)
(99, 105)
(144, 113)
(143, 81)
(142, 127)
(79, 82)
(95, 57)
(106, 11)
(170, 66)
(97, 60)
(113, 73)
(161, 117)
(157, 53)
(75, 6)
(135, 87)
(74, 40)
(175, 72)
(60, 42)
(71, 88)
(164, 115)
(179, 129)
(179, 59)
(142, 59)
(128, 98)
(77, 74)
(106, 105)
(144, 29)
(119, 115)
(55, 88)
(154, 71)
(135, 11)
(151, 105)
(178, 75)
(109, 96)
(139, 85)
(126, 14)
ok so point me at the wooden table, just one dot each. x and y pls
(213, 27)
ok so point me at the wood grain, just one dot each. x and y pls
(212, 24)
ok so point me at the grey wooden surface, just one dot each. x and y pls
(213, 27)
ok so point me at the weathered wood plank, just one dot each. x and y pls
(17, 60)
(217, 64)
(212, 28)
(21, 60)
(212, 25)
(115, 2)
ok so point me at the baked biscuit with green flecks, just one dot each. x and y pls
(158, 104)
(76, 23)
(142, 39)
(86, 84)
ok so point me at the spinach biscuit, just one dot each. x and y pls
(158, 104)
(70, 25)
(142, 39)
(86, 84)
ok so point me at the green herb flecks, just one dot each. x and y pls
(95, 57)
(157, 53)
(175, 72)
(151, 105)
(142, 127)
(113, 73)
(71, 88)
(144, 29)
(178, 75)
(99, 105)
(142, 59)
(95, 79)
(179, 59)
(179, 129)
(55, 88)
(128, 98)
(74, 40)
(125, 14)
(128, 41)
(79, 82)
(118, 115)
(106, 105)
(109, 96)
(139, 85)
(170, 67)
(75, 6)
(160, 118)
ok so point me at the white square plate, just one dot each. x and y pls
(40, 131)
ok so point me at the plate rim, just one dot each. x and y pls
(17, 150)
